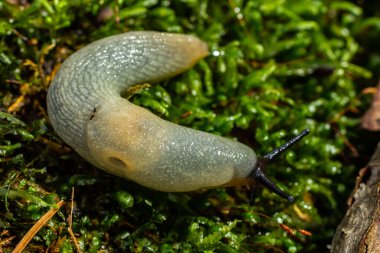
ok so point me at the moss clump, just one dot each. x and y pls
(275, 68)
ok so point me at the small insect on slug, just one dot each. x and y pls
(87, 111)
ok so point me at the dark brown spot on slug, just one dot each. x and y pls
(92, 115)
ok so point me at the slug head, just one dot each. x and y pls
(258, 172)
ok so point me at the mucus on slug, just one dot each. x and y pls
(87, 111)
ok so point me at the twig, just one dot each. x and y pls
(36, 227)
(5, 241)
(70, 222)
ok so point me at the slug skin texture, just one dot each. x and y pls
(87, 111)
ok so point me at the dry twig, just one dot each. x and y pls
(70, 222)
(36, 227)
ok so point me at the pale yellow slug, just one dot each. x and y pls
(87, 111)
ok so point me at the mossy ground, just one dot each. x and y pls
(274, 69)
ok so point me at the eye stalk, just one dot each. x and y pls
(258, 174)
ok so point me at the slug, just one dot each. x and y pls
(87, 111)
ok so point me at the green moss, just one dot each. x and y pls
(275, 68)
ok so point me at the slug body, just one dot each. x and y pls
(87, 111)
